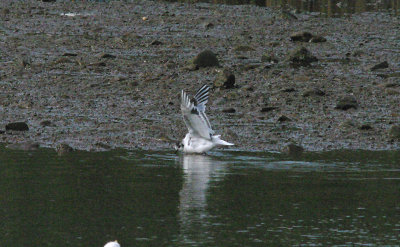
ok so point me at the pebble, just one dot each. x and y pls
(301, 57)
(346, 102)
(313, 92)
(293, 149)
(268, 108)
(229, 110)
(18, 126)
(206, 58)
(225, 79)
(382, 65)
(394, 132)
(283, 118)
(63, 148)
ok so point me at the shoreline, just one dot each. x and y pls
(110, 76)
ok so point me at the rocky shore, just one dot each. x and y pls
(97, 76)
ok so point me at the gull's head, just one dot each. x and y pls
(179, 146)
(112, 244)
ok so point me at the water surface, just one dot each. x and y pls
(142, 198)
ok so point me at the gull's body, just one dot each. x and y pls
(200, 138)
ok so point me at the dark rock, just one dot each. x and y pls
(47, 123)
(26, 146)
(156, 42)
(313, 92)
(2, 132)
(283, 118)
(229, 110)
(382, 65)
(106, 55)
(268, 108)
(69, 54)
(293, 149)
(206, 58)
(289, 90)
(63, 148)
(224, 79)
(365, 127)
(317, 39)
(207, 25)
(301, 57)
(394, 132)
(49, 1)
(18, 126)
(301, 36)
(346, 102)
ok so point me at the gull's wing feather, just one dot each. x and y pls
(193, 113)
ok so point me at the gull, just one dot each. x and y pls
(200, 138)
(112, 244)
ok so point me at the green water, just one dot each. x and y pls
(225, 199)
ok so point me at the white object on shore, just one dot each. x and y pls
(112, 244)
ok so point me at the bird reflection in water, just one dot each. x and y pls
(194, 218)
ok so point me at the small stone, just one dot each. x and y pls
(206, 58)
(106, 55)
(346, 102)
(313, 92)
(243, 48)
(283, 118)
(268, 108)
(301, 36)
(394, 132)
(69, 54)
(382, 65)
(17, 126)
(289, 90)
(229, 110)
(317, 39)
(225, 79)
(156, 42)
(301, 57)
(365, 127)
(63, 148)
(207, 25)
(47, 123)
(293, 149)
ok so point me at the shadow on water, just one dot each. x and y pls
(147, 198)
(328, 7)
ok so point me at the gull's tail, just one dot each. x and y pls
(217, 140)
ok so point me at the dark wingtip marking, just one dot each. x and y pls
(194, 111)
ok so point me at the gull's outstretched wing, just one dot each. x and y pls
(194, 115)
